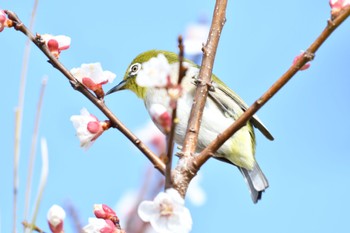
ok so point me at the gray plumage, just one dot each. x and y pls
(256, 181)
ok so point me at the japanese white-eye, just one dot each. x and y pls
(222, 108)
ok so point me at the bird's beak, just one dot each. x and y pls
(119, 87)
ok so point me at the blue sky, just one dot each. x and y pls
(307, 165)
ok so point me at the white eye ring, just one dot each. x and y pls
(134, 68)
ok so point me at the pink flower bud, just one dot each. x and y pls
(92, 76)
(90, 84)
(94, 127)
(160, 117)
(104, 211)
(304, 67)
(4, 21)
(53, 47)
(88, 127)
(55, 218)
(56, 43)
(338, 5)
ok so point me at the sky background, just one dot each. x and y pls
(307, 165)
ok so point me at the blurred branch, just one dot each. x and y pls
(19, 116)
(308, 55)
(33, 148)
(170, 138)
(151, 186)
(35, 228)
(43, 180)
(74, 216)
(209, 51)
(18, 25)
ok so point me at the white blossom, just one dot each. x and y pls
(55, 218)
(87, 126)
(167, 213)
(56, 43)
(62, 40)
(155, 72)
(98, 225)
(92, 75)
(56, 215)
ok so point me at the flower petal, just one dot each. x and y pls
(154, 73)
(147, 210)
(94, 72)
(63, 42)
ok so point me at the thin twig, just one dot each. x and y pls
(209, 51)
(35, 228)
(74, 216)
(242, 120)
(15, 166)
(170, 137)
(43, 180)
(159, 165)
(19, 116)
(33, 148)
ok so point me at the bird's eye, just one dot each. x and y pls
(134, 68)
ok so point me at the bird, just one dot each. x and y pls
(223, 106)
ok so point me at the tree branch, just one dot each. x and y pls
(242, 120)
(170, 138)
(209, 52)
(99, 103)
(186, 170)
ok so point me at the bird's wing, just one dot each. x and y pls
(219, 94)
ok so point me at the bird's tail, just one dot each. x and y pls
(256, 181)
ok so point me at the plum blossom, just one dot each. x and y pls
(338, 5)
(167, 213)
(98, 225)
(160, 117)
(93, 77)
(56, 43)
(55, 218)
(155, 72)
(88, 127)
(105, 212)
(4, 21)
(304, 67)
(3, 18)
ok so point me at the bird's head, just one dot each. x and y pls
(129, 80)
